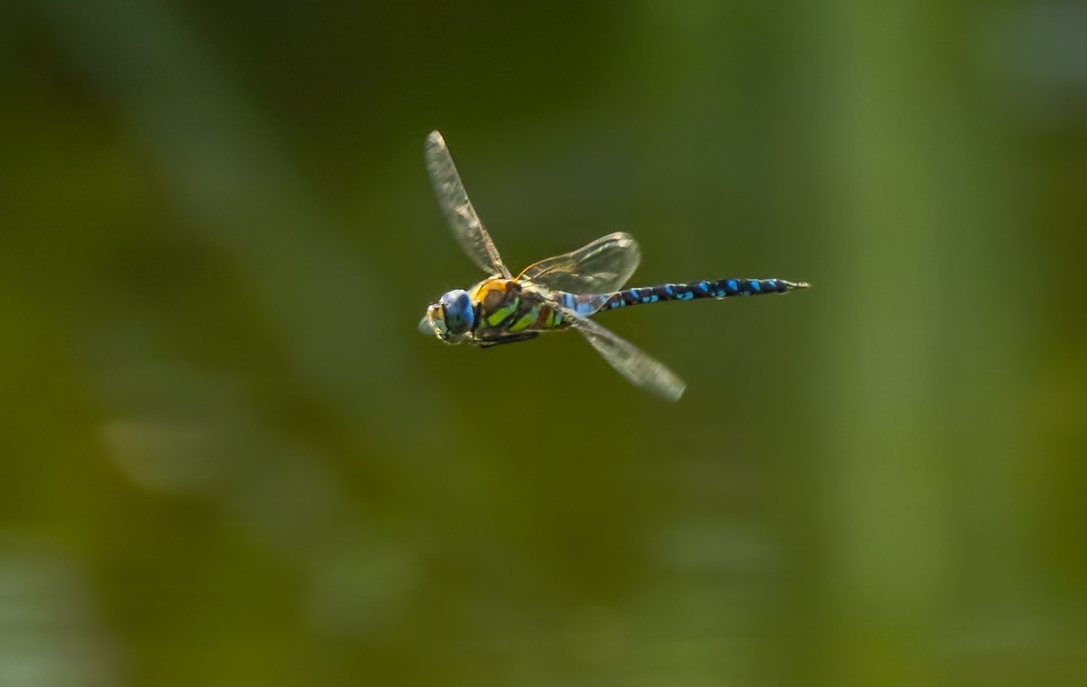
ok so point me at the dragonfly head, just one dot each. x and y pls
(451, 318)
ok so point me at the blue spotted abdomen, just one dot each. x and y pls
(587, 304)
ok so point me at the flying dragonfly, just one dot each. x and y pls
(561, 292)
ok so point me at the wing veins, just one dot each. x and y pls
(601, 266)
(630, 361)
(461, 216)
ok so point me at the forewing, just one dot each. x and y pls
(600, 267)
(628, 359)
(462, 217)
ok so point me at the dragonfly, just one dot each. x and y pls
(560, 293)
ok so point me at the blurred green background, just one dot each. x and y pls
(228, 458)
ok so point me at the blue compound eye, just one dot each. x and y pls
(458, 311)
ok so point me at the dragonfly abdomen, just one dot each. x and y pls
(722, 288)
(589, 304)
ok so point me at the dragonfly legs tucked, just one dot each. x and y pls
(509, 338)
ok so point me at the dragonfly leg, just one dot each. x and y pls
(509, 338)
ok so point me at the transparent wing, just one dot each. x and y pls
(462, 217)
(602, 266)
(628, 359)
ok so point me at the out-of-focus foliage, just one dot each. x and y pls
(227, 457)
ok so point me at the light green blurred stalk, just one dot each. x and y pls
(926, 348)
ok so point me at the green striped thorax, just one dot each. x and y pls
(451, 319)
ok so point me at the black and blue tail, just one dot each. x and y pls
(723, 288)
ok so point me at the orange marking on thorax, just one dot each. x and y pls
(488, 287)
(498, 300)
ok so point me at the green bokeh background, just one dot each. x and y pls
(228, 458)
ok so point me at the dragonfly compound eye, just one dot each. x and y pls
(458, 311)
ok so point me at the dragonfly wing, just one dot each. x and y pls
(633, 363)
(602, 266)
(462, 217)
